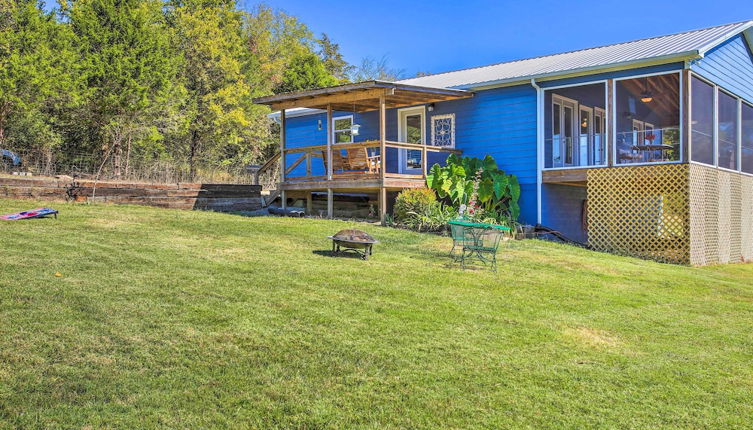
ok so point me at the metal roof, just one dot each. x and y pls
(662, 49)
(362, 96)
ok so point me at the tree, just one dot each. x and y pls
(305, 72)
(219, 100)
(371, 69)
(129, 68)
(37, 75)
(333, 60)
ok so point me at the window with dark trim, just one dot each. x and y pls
(727, 129)
(747, 138)
(702, 122)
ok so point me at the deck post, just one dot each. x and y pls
(330, 138)
(309, 204)
(382, 159)
(283, 166)
(610, 121)
(330, 204)
(686, 118)
(424, 159)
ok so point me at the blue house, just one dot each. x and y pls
(642, 148)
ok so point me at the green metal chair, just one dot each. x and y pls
(460, 236)
(482, 246)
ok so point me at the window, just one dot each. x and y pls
(443, 130)
(342, 126)
(747, 139)
(647, 119)
(702, 122)
(727, 131)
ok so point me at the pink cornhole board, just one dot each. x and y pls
(34, 213)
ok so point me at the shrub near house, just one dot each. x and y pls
(487, 193)
(469, 187)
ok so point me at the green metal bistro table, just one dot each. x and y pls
(477, 241)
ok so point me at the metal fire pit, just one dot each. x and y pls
(353, 240)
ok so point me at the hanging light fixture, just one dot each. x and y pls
(646, 96)
(353, 126)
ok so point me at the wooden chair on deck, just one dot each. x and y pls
(339, 164)
(359, 159)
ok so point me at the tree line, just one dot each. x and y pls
(130, 81)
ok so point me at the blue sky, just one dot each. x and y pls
(443, 35)
(437, 36)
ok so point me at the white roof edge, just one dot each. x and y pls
(585, 71)
(292, 113)
(721, 39)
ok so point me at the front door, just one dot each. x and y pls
(411, 127)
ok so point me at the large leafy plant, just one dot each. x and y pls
(495, 193)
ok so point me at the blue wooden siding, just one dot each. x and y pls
(498, 122)
(562, 210)
(730, 65)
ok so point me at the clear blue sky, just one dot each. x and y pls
(437, 36)
(443, 35)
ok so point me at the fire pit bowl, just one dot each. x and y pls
(353, 240)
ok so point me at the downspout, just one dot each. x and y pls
(539, 145)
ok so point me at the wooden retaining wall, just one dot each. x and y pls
(216, 197)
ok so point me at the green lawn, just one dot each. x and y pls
(177, 319)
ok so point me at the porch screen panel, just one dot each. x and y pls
(702, 119)
(727, 131)
(648, 119)
(747, 139)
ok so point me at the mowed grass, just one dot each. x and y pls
(176, 319)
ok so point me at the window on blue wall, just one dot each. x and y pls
(342, 127)
(702, 122)
(747, 138)
(727, 131)
(443, 130)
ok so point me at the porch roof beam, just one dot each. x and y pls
(362, 97)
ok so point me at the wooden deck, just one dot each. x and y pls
(575, 177)
(339, 176)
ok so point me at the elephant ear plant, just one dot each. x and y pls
(479, 185)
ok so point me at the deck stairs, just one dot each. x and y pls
(268, 176)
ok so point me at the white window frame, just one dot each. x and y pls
(450, 116)
(741, 100)
(750, 105)
(350, 129)
(713, 121)
(737, 99)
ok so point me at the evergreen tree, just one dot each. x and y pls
(37, 76)
(129, 68)
(334, 62)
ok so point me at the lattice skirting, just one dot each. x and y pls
(641, 211)
(678, 213)
(721, 214)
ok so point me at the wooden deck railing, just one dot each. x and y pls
(305, 154)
